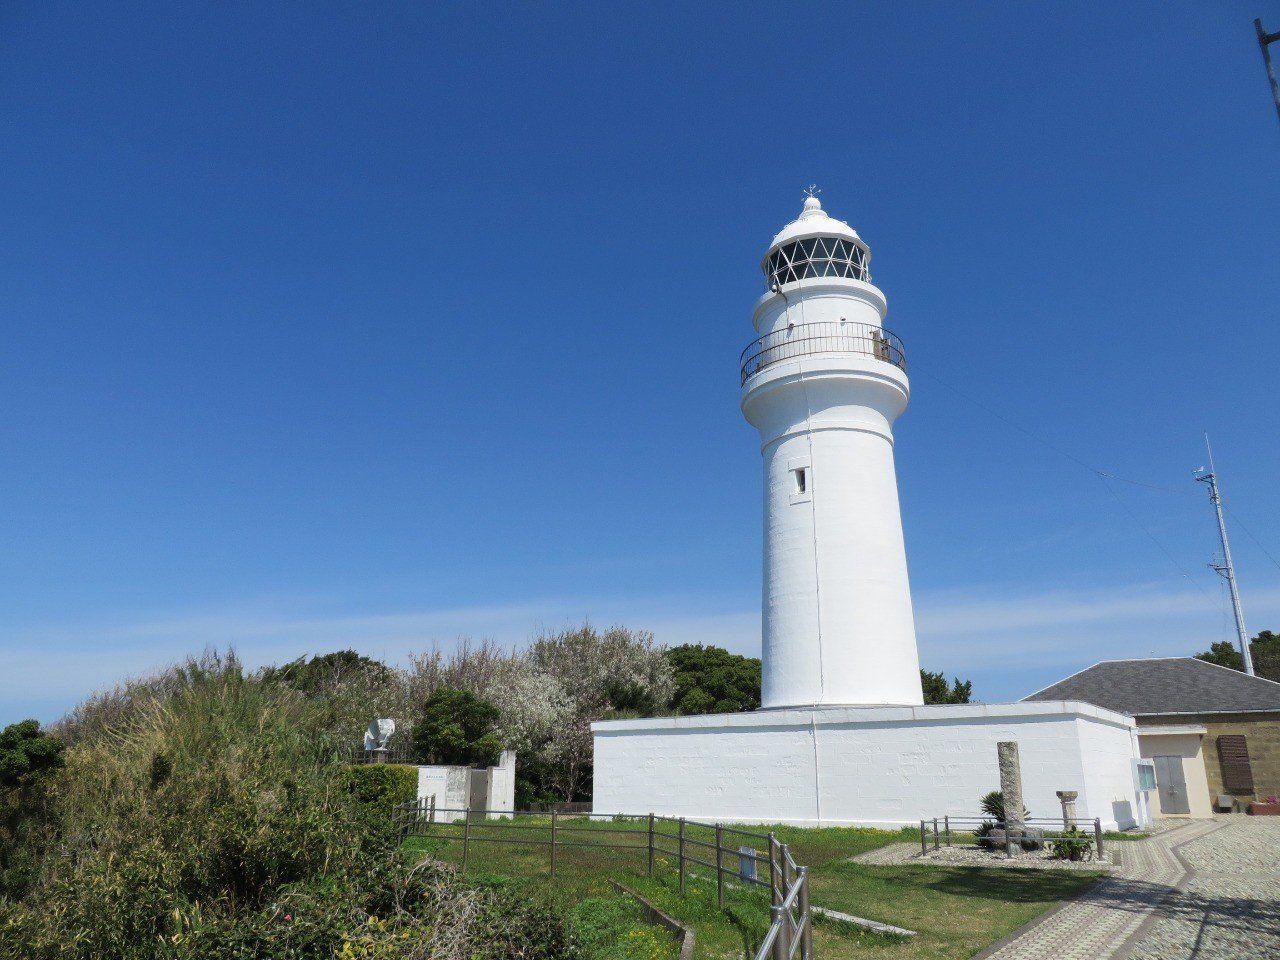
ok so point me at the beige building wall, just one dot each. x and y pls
(1187, 743)
(1262, 736)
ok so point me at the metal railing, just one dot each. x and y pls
(1049, 830)
(403, 753)
(831, 336)
(689, 843)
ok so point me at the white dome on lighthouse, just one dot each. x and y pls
(813, 222)
(816, 245)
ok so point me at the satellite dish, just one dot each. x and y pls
(379, 732)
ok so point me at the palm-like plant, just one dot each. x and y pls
(993, 806)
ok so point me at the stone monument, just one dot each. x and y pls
(1011, 793)
(1068, 799)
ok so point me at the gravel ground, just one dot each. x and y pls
(974, 856)
(971, 855)
(1230, 909)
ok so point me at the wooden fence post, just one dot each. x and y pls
(553, 842)
(924, 839)
(935, 834)
(947, 821)
(719, 867)
(1097, 836)
(651, 844)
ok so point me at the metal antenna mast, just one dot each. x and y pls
(1264, 40)
(1226, 569)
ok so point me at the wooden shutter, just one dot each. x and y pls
(1237, 774)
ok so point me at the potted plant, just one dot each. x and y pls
(1268, 807)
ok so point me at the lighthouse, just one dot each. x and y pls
(824, 384)
(843, 737)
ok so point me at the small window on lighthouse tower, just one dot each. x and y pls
(801, 476)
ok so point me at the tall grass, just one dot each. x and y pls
(204, 818)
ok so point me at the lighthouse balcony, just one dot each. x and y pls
(829, 337)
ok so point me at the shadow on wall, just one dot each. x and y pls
(1122, 813)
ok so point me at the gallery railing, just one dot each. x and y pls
(661, 840)
(834, 336)
(398, 754)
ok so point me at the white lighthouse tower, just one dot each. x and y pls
(844, 737)
(824, 384)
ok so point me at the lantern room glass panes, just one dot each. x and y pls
(817, 257)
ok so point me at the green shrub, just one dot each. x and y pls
(209, 822)
(1071, 844)
(380, 787)
(28, 758)
(456, 729)
(25, 752)
(993, 806)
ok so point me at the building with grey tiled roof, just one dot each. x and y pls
(1211, 731)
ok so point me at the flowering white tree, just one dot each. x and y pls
(548, 695)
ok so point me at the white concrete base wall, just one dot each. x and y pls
(451, 786)
(502, 784)
(865, 766)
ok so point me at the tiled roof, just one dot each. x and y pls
(1167, 685)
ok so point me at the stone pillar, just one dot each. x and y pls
(1068, 798)
(1011, 793)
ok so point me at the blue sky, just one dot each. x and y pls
(378, 326)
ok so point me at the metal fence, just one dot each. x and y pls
(403, 753)
(1051, 830)
(832, 336)
(689, 843)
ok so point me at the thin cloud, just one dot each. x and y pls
(1005, 642)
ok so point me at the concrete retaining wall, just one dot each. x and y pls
(867, 766)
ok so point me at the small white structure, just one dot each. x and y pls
(379, 732)
(843, 737)
(462, 788)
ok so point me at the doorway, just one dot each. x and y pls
(1172, 785)
(478, 793)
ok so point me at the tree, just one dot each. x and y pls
(604, 674)
(713, 680)
(1224, 654)
(936, 689)
(25, 752)
(456, 729)
(327, 671)
(1265, 650)
(27, 755)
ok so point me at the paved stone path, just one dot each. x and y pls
(1098, 924)
(1229, 905)
(1204, 890)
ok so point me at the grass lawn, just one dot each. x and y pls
(956, 910)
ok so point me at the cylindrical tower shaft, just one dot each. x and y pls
(823, 385)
